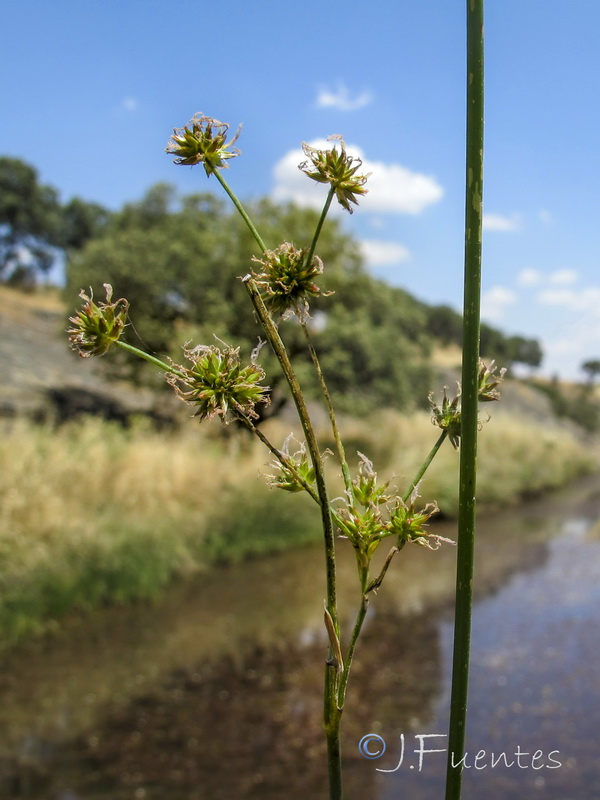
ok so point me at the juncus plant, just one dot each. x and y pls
(217, 382)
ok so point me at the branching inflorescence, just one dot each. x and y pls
(217, 383)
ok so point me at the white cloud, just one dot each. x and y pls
(341, 99)
(392, 187)
(563, 277)
(497, 222)
(378, 253)
(545, 217)
(529, 277)
(583, 301)
(130, 104)
(495, 301)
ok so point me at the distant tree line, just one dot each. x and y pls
(178, 260)
(446, 325)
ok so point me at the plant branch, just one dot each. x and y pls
(241, 210)
(311, 441)
(286, 462)
(341, 453)
(151, 359)
(424, 466)
(324, 212)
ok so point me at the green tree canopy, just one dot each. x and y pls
(35, 228)
(178, 260)
(30, 222)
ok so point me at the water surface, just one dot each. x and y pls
(215, 691)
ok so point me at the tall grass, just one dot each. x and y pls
(92, 514)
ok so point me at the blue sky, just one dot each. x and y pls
(93, 89)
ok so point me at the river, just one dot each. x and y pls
(214, 692)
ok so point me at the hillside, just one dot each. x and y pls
(43, 380)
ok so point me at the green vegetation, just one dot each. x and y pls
(178, 261)
(91, 514)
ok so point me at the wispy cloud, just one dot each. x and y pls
(583, 301)
(130, 104)
(560, 277)
(495, 301)
(563, 277)
(341, 98)
(529, 277)
(498, 222)
(392, 188)
(378, 253)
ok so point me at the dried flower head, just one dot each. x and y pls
(287, 477)
(202, 141)
(97, 326)
(338, 169)
(218, 384)
(489, 382)
(365, 488)
(286, 281)
(448, 415)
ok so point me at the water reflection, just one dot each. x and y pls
(216, 691)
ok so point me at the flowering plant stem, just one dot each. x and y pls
(470, 370)
(151, 359)
(332, 712)
(241, 210)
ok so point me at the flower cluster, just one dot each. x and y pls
(218, 384)
(97, 326)
(287, 281)
(202, 141)
(448, 415)
(336, 168)
(489, 382)
(299, 472)
(371, 514)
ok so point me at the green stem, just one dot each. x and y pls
(470, 370)
(151, 359)
(241, 209)
(311, 441)
(286, 462)
(424, 466)
(339, 445)
(360, 618)
(324, 212)
(331, 712)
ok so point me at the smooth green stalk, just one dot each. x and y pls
(241, 210)
(151, 359)
(324, 212)
(470, 370)
(424, 466)
(341, 453)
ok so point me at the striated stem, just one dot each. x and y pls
(331, 711)
(311, 441)
(469, 405)
(341, 453)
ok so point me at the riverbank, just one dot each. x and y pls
(92, 514)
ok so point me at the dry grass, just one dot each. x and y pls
(91, 514)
